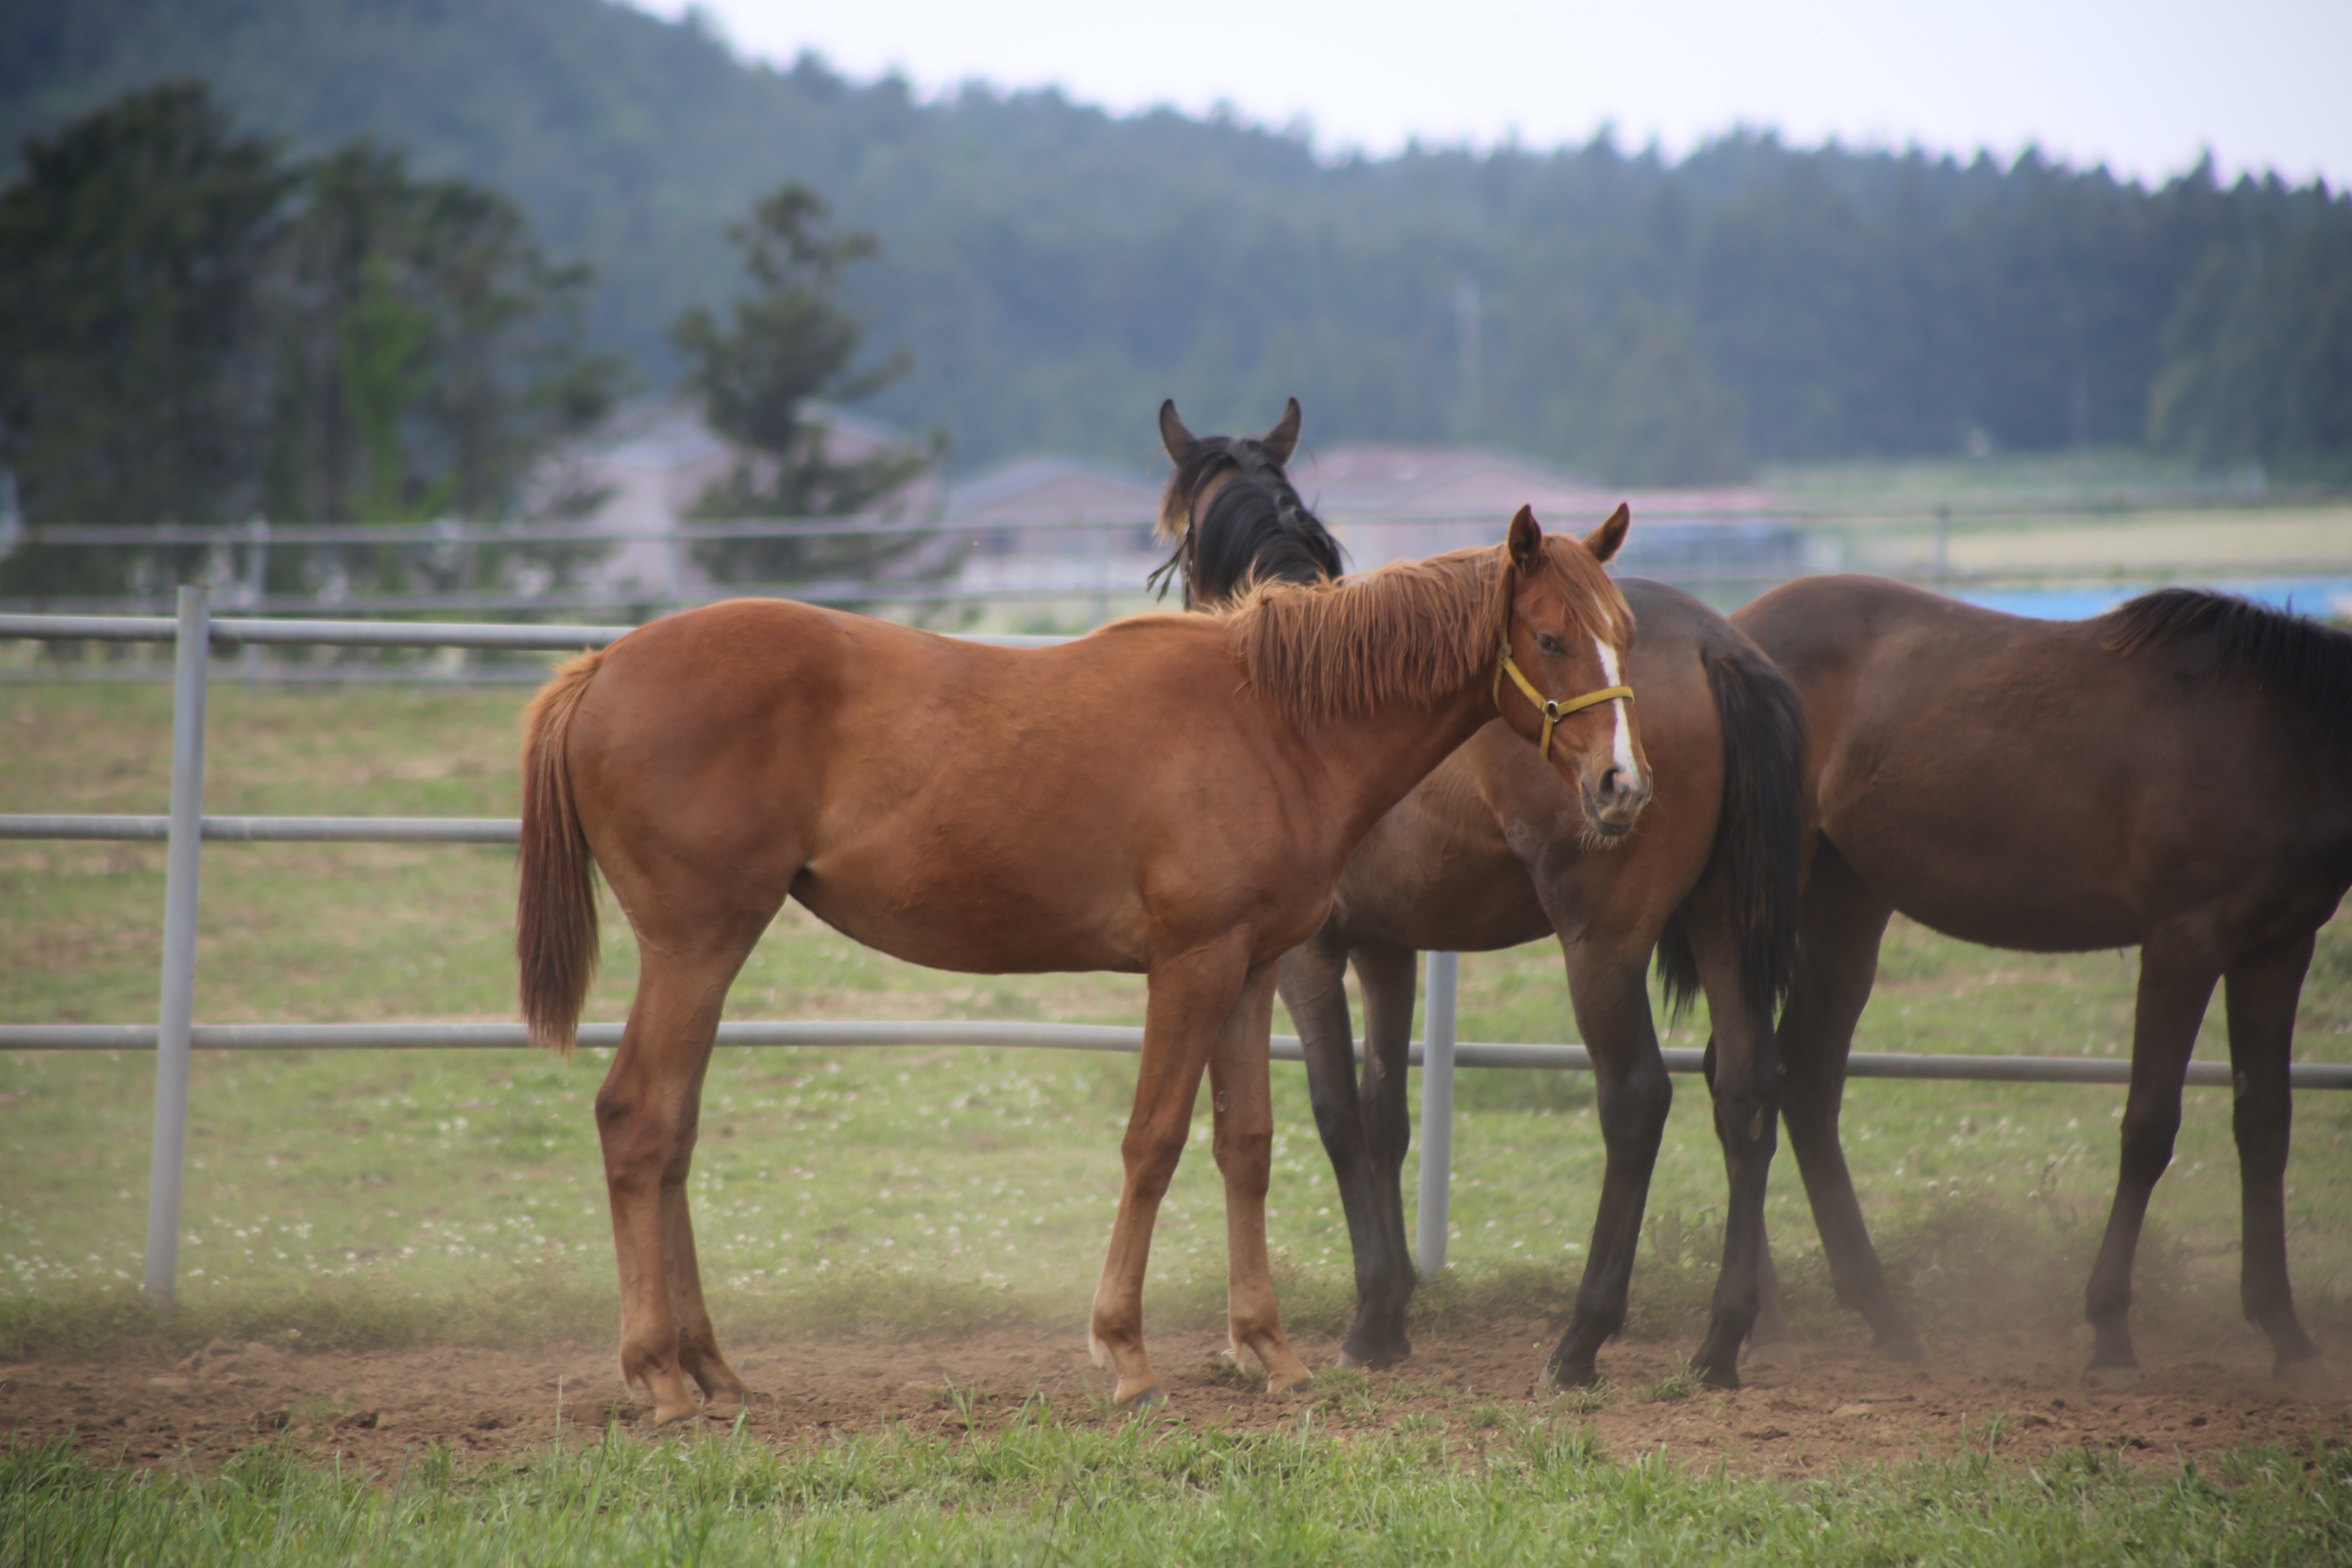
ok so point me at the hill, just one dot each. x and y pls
(1056, 270)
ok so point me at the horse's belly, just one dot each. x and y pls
(1998, 891)
(982, 931)
(2022, 922)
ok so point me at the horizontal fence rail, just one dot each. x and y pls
(448, 533)
(277, 829)
(234, 632)
(1072, 1038)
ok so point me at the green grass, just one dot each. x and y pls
(389, 1196)
(2098, 514)
(405, 1197)
(1041, 1490)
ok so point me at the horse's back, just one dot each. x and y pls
(2018, 783)
(950, 803)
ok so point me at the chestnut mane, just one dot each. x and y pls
(1411, 631)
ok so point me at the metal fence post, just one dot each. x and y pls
(256, 587)
(176, 1015)
(1436, 1111)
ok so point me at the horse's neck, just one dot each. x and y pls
(1375, 758)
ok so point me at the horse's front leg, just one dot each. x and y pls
(1243, 1101)
(2175, 986)
(2261, 993)
(1190, 998)
(1612, 1009)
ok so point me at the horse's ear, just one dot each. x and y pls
(1526, 541)
(1604, 540)
(1283, 440)
(1178, 441)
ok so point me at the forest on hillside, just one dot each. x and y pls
(1045, 266)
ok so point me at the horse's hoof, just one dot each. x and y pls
(2312, 1371)
(1142, 1400)
(1373, 1361)
(1907, 1350)
(727, 1407)
(1716, 1377)
(1554, 1378)
(1302, 1383)
(2113, 1379)
(675, 1414)
(1773, 1352)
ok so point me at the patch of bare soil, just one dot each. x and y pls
(1833, 1402)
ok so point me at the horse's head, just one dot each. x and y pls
(1233, 515)
(1559, 679)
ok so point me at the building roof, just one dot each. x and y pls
(1051, 490)
(1365, 480)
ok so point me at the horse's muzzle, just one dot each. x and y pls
(1614, 803)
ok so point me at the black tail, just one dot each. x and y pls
(1256, 529)
(1758, 838)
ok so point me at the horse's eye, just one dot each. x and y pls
(1550, 644)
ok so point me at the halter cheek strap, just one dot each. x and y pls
(1552, 708)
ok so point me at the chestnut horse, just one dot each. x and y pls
(1172, 795)
(2172, 775)
(1491, 851)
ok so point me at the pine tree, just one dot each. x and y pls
(783, 348)
(132, 251)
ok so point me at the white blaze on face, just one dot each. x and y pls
(1622, 752)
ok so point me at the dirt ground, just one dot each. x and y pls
(1833, 1402)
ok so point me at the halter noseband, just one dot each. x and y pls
(1552, 708)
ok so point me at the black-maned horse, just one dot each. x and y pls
(1493, 850)
(2176, 774)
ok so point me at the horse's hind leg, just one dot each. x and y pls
(1386, 974)
(1837, 962)
(1313, 986)
(698, 1342)
(2261, 994)
(647, 1115)
(2174, 989)
(1245, 1148)
(1744, 1077)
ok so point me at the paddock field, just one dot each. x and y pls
(397, 1269)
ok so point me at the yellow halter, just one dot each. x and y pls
(1551, 707)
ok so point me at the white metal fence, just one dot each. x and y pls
(175, 1034)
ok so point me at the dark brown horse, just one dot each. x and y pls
(1174, 795)
(1492, 850)
(2175, 775)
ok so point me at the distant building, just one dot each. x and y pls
(643, 474)
(1401, 503)
(1053, 526)
(1048, 528)
(1391, 503)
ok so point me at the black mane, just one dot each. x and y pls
(1256, 530)
(2307, 661)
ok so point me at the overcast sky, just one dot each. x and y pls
(2141, 84)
